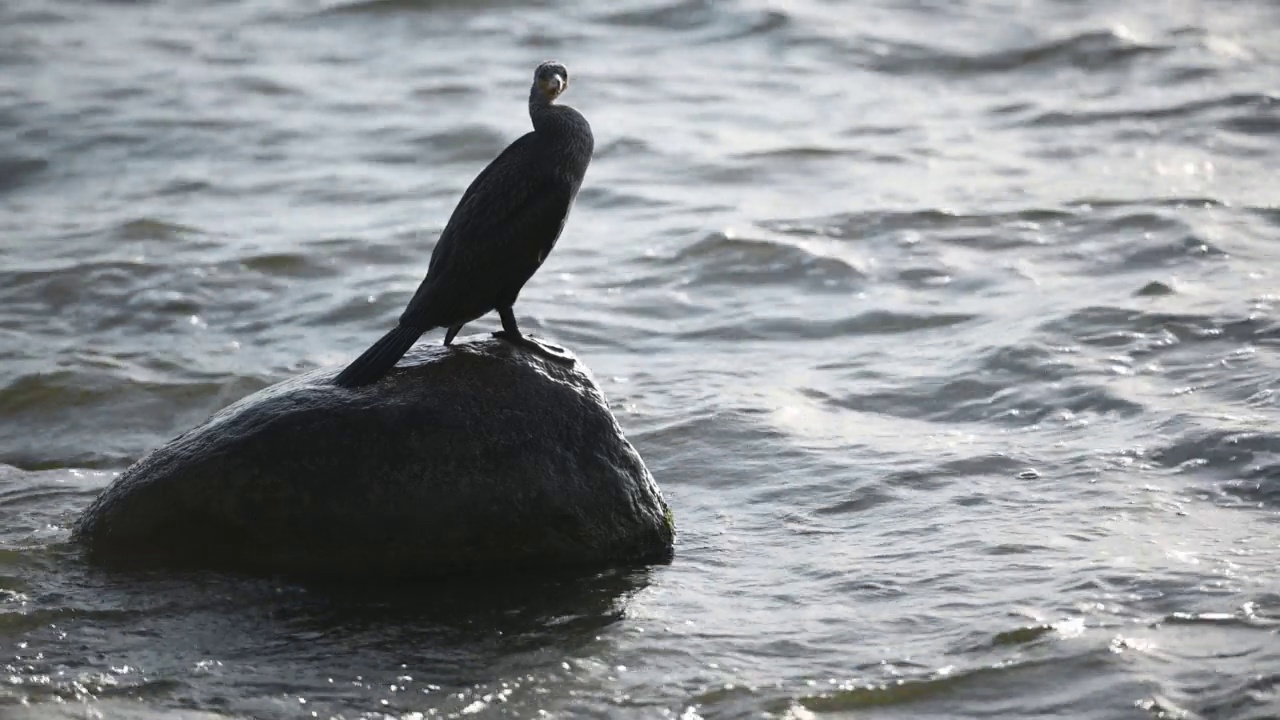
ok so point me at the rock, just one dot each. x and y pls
(474, 458)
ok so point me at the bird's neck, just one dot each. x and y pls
(549, 118)
(564, 133)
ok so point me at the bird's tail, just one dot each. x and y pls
(378, 359)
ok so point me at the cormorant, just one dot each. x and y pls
(499, 234)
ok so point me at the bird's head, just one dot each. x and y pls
(551, 78)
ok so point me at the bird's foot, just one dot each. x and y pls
(554, 353)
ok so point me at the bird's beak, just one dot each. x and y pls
(557, 83)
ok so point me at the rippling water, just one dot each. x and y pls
(948, 328)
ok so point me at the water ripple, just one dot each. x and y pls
(721, 259)
(18, 171)
(949, 329)
(873, 322)
(1257, 103)
(1093, 50)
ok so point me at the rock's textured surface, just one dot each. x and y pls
(472, 458)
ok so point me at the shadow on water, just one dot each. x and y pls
(526, 612)
(525, 608)
(70, 631)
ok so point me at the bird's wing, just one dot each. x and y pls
(491, 198)
(492, 248)
(510, 248)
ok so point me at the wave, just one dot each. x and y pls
(1246, 462)
(18, 171)
(393, 7)
(872, 322)
(963, 399)
(935, 694)
(1262, 103)
(721, 259)
(1089, 50)
(683, 15)
(861, 224)
(1139, 330)
(48, 414)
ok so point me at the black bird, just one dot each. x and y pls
(499, 234)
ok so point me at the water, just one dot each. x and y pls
(949, 330)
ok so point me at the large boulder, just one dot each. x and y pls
(474, 458)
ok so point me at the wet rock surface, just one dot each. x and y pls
(474, 458)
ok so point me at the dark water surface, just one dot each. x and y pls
(948, 328)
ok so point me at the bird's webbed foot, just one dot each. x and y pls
(547, 351)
